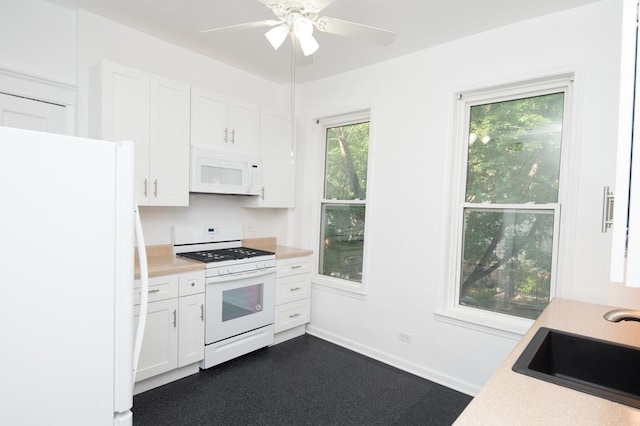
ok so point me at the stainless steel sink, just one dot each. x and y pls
(597, 367)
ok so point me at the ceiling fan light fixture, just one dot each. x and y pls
(303, 29)
(277, 35)
(308, 44)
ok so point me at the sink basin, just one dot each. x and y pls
(597, 367)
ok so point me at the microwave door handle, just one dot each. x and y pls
(250, 176)
(236, 277)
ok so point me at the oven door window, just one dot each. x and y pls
(243, 301)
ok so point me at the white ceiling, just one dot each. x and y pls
(418, 23)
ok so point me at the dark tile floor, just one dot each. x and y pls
(304, 381)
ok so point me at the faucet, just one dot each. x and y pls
(618, 315)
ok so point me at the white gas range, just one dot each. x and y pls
(240, 289)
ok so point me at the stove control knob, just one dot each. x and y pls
(221, 271)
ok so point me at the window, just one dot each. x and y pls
(343, 203)
(508, 212)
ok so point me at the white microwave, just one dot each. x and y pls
(222, 172)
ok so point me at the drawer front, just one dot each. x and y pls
(290, 289)
(160, 288)
(293, 266)
(191, 283)
(292, 315)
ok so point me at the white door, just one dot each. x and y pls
(29, 114)
(191, 331)
(169, 143)
(160, 343)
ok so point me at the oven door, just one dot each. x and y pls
(239, 303)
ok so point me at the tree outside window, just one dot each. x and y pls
(343, 204)
(510, 208)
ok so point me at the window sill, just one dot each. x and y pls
(492, 323)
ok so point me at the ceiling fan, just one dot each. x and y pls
(298, 18)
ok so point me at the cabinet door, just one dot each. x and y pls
(160, 343)
(278, 170)
(124, 115)
(191, 332)
(169, 143)
(244, 127)
(209, 118)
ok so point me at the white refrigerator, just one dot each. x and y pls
(67, 237)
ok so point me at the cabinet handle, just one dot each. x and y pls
(155, 188)
(262, 196)
(155, 290)
(233, 136)
(296, 267)
(193, 284)
(175, 319)
(295, 289)
(202, 312)
(607, 209)
(145, 187)
(294, 315)
(226, 134)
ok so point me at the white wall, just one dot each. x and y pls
(38, 39)
(412, 125)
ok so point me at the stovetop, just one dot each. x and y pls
(225, 254)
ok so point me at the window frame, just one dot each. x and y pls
(451, 311)
(333, 284)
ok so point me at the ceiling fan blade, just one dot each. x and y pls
(245, 26)
(355, 30)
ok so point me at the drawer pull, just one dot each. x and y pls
(294, 315)
(296, 267)
(193, 283)
(155, 290)
(295, 289)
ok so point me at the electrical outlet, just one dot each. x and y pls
(404, 337)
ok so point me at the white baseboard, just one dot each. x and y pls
(409, 367)
(163, 379)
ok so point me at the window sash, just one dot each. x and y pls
(342, 286)
(453, 311)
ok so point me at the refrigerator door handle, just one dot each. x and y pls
(144, 295)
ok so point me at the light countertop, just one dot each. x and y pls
(162, 261)
(511, 398)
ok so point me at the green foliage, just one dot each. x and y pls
(342, 244)
(346, 162)
(513, 158)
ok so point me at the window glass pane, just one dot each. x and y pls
(506, 264)
(514, 150)
(342, 241)
(347, 152)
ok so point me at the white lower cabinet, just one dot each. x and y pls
(173, 342)
(293, 297)
(191, 336)
(160, 345)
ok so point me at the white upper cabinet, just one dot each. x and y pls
(276, 155)
(154, 113)
(220, 122)
(169, 143)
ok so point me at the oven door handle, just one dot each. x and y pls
(241, 276)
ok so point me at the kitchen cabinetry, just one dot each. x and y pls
(223, 123)
(152, 111)
(293, 297)
(277, 161)
(174, 332)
